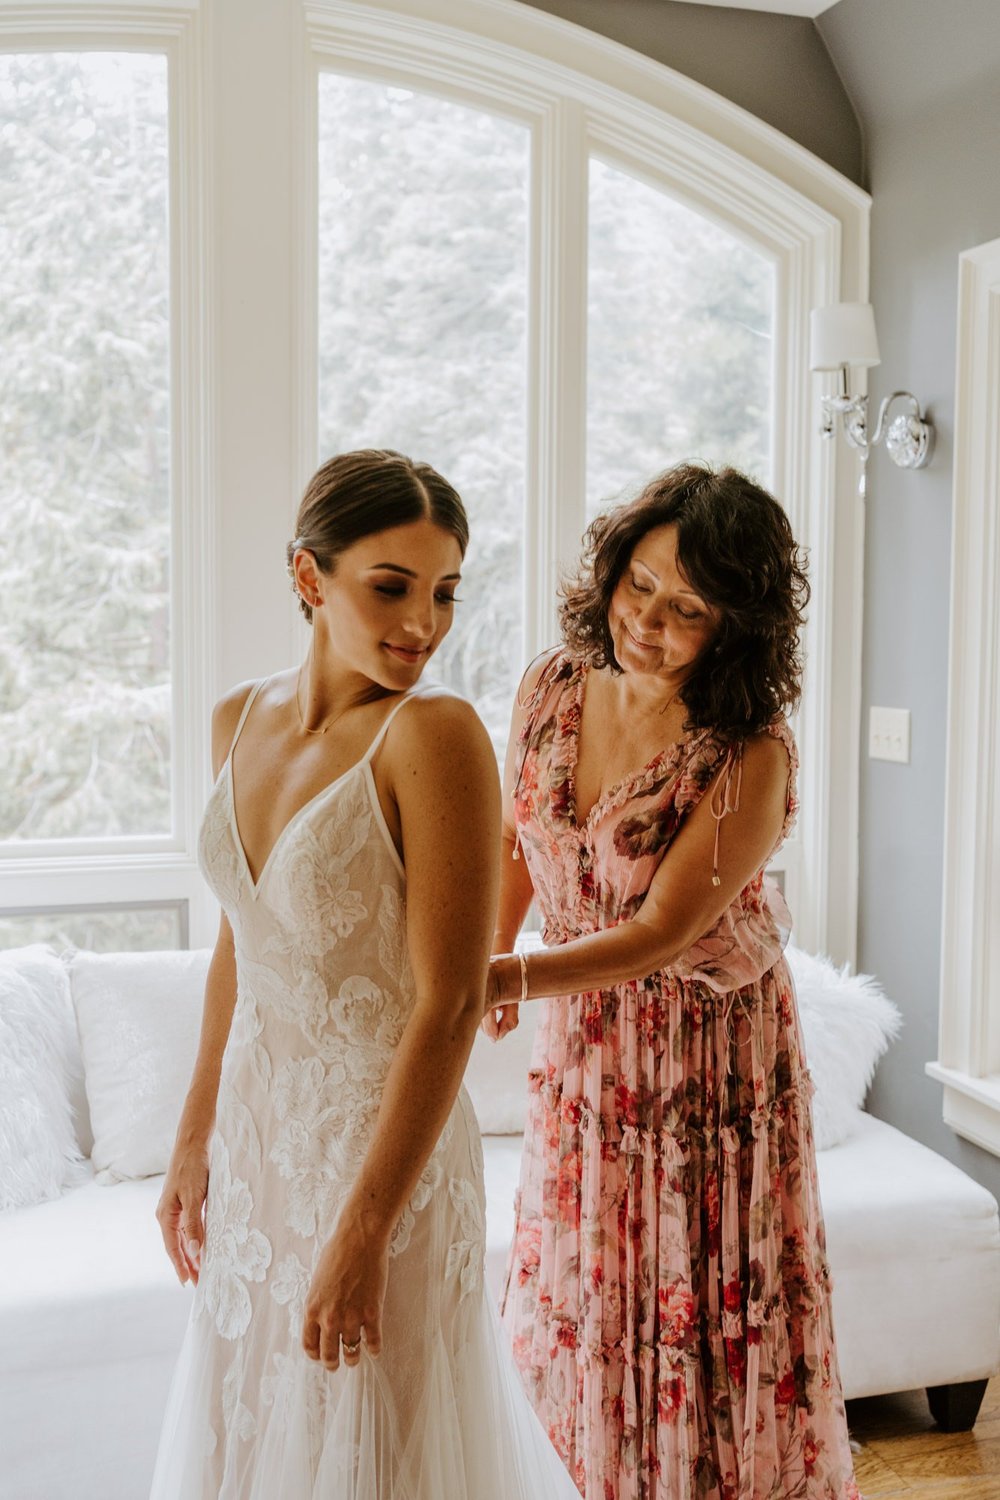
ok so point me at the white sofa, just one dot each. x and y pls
(91, 1314)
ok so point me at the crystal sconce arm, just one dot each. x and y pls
(843, 338)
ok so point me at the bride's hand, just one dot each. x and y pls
(346, 1295)
(181, 1208)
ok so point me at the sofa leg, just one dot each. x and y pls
(956, 1407)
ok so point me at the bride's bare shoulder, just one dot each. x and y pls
(225, 717)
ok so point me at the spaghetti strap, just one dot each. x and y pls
(420, 691)
(246, 709)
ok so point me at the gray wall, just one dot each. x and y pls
(925, 78)
(776, 67)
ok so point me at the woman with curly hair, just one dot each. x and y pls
(668, 1296)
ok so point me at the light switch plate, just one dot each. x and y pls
(889, 734)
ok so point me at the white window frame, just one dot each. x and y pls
(243, 205)
(968, 1061)
(149, 869)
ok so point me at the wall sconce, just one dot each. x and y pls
(842, 337)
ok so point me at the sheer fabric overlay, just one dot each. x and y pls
(668, 1295)
(324, 993)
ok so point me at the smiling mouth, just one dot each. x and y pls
(408, 653)
(641, 644)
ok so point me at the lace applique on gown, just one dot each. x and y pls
(324, 993)
(668, 1296)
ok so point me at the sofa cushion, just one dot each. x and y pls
(497, 1075)
(38, 1055)
(87, 1281)
(914, 1248)
(138, 1016)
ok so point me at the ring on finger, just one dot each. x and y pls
(351, 1348)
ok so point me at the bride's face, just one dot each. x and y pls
(390, 601)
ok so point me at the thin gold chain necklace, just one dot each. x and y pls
(298, 709)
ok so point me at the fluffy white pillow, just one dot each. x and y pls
(138, 1016)
(38, 1050)
(847, 1024)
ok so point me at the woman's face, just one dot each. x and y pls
(389, 602)
(659, 624)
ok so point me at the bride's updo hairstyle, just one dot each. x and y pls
(736, 549)
(358, 494)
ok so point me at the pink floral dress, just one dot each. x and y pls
(667, 1296)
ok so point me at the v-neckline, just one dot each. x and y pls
(255, 885)
(571, 736)
(359, 765)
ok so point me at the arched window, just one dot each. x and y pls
(545, 264)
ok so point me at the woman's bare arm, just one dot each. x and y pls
(682, 904)
(182, 1201)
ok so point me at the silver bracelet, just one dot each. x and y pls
(524, 976)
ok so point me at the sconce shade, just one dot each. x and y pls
(843, 335)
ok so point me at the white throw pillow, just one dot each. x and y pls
(38, 1049)
(847, 1024)
(138, 1015)
(497, 1075)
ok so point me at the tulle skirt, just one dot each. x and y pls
(441, 1414)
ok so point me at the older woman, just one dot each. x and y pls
(668, 1296)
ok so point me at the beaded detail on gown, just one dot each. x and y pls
(324, 993)
(668, 1295)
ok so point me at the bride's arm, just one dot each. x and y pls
(185, 1186)
(442, 774)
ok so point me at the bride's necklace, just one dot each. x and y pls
(298, 709)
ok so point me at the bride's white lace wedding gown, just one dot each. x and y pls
(324, 993)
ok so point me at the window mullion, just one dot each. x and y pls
(558, 383)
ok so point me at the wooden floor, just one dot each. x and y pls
(903, 1453)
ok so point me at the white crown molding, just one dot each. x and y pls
(806, 9)
(969, 1042)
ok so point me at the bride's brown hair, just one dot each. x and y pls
(356, 494)
(736, 548)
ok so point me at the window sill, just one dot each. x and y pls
(971, 1105)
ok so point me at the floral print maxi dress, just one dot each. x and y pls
(667, 1294)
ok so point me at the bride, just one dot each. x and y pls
(325, 1193)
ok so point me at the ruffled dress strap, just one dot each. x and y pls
(779, 730)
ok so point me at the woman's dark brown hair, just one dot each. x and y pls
(357, 494)
(736, 549)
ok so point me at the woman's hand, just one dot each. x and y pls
(346, 1295)
(500, 1020)
(501, 1013)
(181, 1208)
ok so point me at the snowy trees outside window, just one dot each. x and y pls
(423, 292)
(84, 415)
(679, 339)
